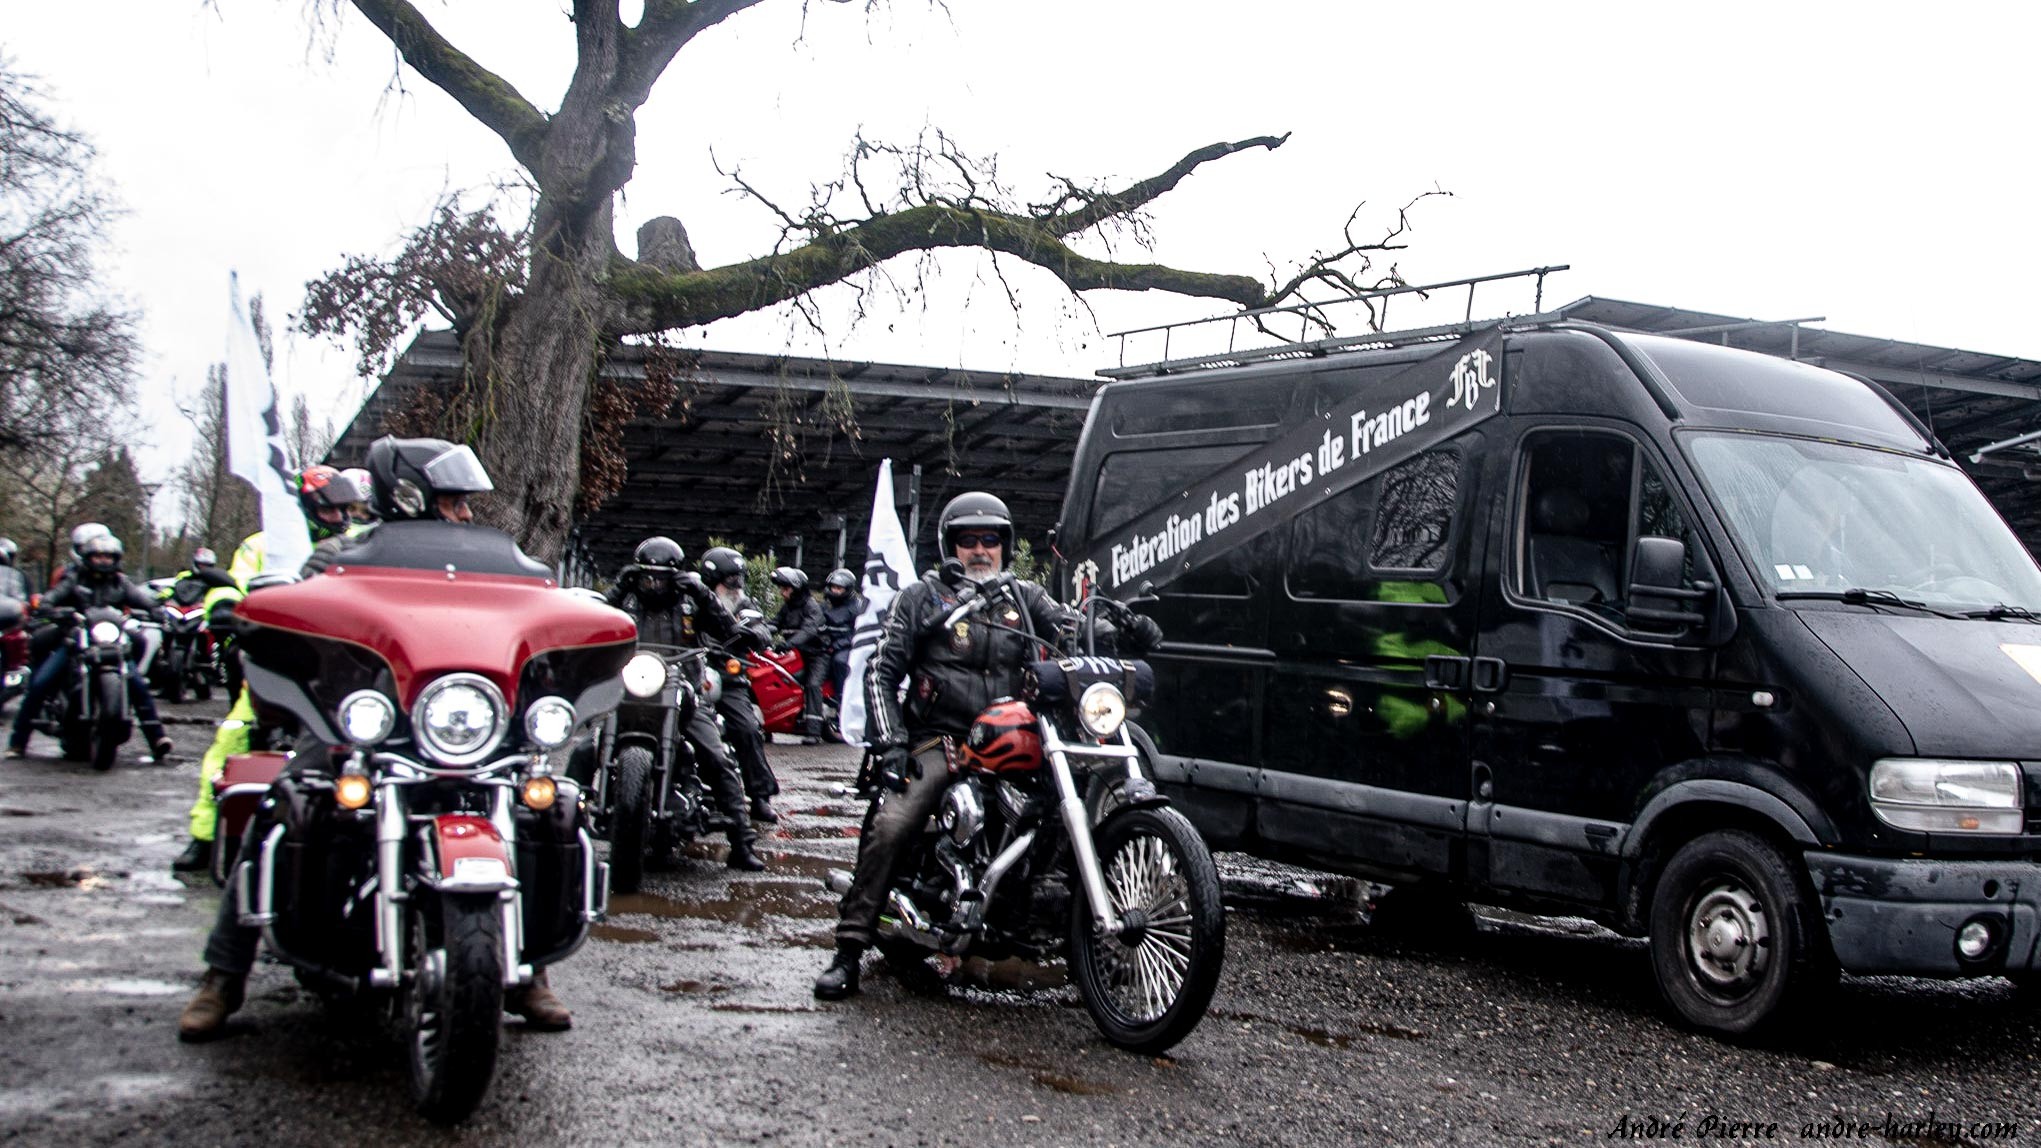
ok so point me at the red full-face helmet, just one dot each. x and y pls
(1004, 740)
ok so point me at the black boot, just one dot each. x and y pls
(741, 857)
(197, 857)
(761, 810)
(840, 979)
(159, 742)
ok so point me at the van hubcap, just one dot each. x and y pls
(1728, 937)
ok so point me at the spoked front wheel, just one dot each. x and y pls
(455, 1005)
(1149, 986)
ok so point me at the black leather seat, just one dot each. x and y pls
(1566, 564)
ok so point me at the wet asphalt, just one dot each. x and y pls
(1338, 1020)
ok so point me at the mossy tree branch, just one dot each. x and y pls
(487, 96)
(663, 30)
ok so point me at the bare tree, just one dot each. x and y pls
(537, 309)
(218, 508)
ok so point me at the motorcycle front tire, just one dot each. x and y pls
(180, 664)
(631, 819)
(455, 1011)
(1153, 861)
(110, 725)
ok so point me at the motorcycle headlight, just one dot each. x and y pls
(366, 717)
(549, 722)
(1101, 708)
(1929, 796)
(644, 675)
(105, 633)
(458, 719)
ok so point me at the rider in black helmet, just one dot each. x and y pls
(841, 605)
(674, 607)
(799, 623)
(723, 569)
(950, 673)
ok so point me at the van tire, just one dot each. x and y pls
(1737, 941)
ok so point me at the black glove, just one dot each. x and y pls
(894, 767)
(1142, 634)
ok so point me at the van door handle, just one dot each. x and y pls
(1490, 675)
(1445, 672)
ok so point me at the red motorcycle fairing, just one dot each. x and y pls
(776, 683)
(239, 787)
(472, 853)
(424, 624)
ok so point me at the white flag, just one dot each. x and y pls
(889, 565)
(255, 451)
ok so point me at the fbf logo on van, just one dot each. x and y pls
(1388, 422)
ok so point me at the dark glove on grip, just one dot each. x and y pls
(894, 766)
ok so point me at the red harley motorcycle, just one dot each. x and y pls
(776, 683)
(421, 848)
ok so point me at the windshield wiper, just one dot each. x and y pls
(1858, 596)
(2000, 610)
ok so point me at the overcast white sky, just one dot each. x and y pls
(1872, 163)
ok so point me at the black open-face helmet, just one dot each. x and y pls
(100, 555)
(409, 475)
(722, 566)
(789, 577)
(975, 509)
(840, 584)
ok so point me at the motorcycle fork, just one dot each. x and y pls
(392, 821)
(662, 770)
(515, 972)
(1078, 826)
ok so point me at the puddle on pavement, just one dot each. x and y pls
(686, 985)
(622, 935)
(802, 863)
(124, 986)
(1326, 1038)
(10, 811)
(85, 879)
(748, 903)
(1055, 1081)
(1011, 974)
(736, 1006)
(817, 832)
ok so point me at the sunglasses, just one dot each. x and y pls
(979, 539)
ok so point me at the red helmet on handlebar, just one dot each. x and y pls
(1004, 740)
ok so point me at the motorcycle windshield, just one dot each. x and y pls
(427, 623)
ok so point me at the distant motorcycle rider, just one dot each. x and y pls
(13, 584)
(98, 582)
(799, 623)
(951, 674)
(723, 569)
(841, 606)
(419, 478)
(674, 607)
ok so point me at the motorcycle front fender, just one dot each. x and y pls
(472, 856)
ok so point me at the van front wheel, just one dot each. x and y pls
(1735, 934)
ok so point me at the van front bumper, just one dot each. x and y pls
(1903, 916)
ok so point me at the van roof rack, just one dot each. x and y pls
(1317, 348)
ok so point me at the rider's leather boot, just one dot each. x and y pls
(761, 810)
(541, 1008)
(219, 994)
(159, 741)
(196, 857)
(742, 857)
(840, 979)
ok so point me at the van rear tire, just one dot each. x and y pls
(1737, 940)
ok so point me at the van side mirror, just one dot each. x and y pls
(1659, 597)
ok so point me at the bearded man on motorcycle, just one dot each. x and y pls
(97, 583)
(951, 674)
(674, 607)
(411, 479)
(723, 569)
(799, 623)
(327, 500)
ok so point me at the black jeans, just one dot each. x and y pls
(720, 773)
(747, 737)
(814, 671)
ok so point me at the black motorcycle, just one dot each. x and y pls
(186, 663)
(89, 714)
(649, 795)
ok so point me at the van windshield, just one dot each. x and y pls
(1819, 518)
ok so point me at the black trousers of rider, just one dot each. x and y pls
(814, 671)
(894, 821)
(720, 773)
(747, 736)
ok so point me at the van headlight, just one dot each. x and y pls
(644, 675)
(459, 719)
(1929, 796)
(549, 722)
(1101, 708)
(366, 717)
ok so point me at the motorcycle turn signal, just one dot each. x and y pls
(540, 792)
(352, 790)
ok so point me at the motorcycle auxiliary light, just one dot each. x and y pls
(105, 633)
(1102, 709)
(644, 675)
(459, 718)
(366, 717)
(352, 790)
(549, 723)
(733, 667)
(540, 792)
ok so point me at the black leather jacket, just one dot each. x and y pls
(83, 593)
(800, 625)
(693, 619)
(840, 622)
(953, 672)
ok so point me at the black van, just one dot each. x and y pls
(1708, 645)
